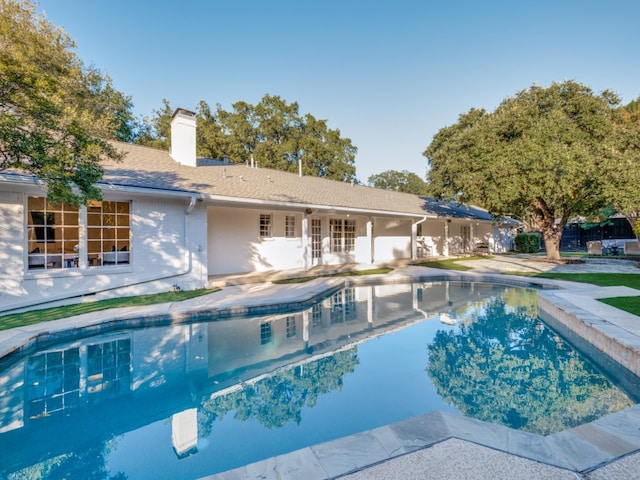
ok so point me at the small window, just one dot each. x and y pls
(265, 225)
(290, 226)
(266, 335)
(291, 327)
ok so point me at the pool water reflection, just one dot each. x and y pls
(186, 401)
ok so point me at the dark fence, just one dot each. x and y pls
(574, 237)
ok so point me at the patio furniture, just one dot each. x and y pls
(631, 248)
(594, 248)
(481, 247)
(426, 248)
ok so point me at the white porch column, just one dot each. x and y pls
(445, 245)
(370, 238)
(414, 241)
(370, 306)
(305, 241)
(305, 328)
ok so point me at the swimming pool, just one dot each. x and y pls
(186, 401)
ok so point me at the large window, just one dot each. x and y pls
(108, 233)
(343, 235)
(108, 369)
(53, 381)
(52, 231)
(64, 379)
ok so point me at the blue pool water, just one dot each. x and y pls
(186, 401)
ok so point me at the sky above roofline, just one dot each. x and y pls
(387, 74)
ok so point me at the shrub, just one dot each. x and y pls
(528, 242)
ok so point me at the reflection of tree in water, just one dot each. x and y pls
(509, 368)
(86, 464)
(279, 399)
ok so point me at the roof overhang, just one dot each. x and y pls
(219, 200)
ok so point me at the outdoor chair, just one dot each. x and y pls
(631, 248)
(594, 248)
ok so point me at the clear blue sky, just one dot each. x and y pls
(388, 74)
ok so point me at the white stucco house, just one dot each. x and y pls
(169, 219)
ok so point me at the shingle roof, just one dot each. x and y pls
(145, 167)
(155, 170)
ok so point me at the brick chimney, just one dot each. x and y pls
(183, 137)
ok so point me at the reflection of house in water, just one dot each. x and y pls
(135, 377)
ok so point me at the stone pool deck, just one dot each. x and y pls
(437, 445)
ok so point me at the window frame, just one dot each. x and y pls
(342, 235)
(266, 225)
(52, 235)
(63, 236)
(290, 226)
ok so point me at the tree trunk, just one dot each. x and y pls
(552, 243)
(551, 231)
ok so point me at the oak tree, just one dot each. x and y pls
(399, 181)
(56, 115)
(541, 155)
(271, 134)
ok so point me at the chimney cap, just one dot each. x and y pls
(183, 111)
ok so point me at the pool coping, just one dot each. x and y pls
(580, 449)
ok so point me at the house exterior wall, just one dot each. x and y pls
(433, 236)
(167, 249)
(392, 239)
(235, 245)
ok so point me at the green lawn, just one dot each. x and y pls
(632, 280)
(353, 273)
(452, 263)
(55, 313)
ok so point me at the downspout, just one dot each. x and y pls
(414, 239)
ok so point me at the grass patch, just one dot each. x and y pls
(628, 304)
(353, 273)
(452, 263)
(631, 280)
(55, 313)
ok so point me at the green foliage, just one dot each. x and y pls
(279, 399)
(271, 134)
(404, 181)
(627, 304)
(487, 371)
(602, 219)
(622, 179)
(541, 156)
(56, 115)
(528, 242)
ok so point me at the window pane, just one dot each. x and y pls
(52, 231)
(265, 225)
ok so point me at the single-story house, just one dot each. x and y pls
(171, 220)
